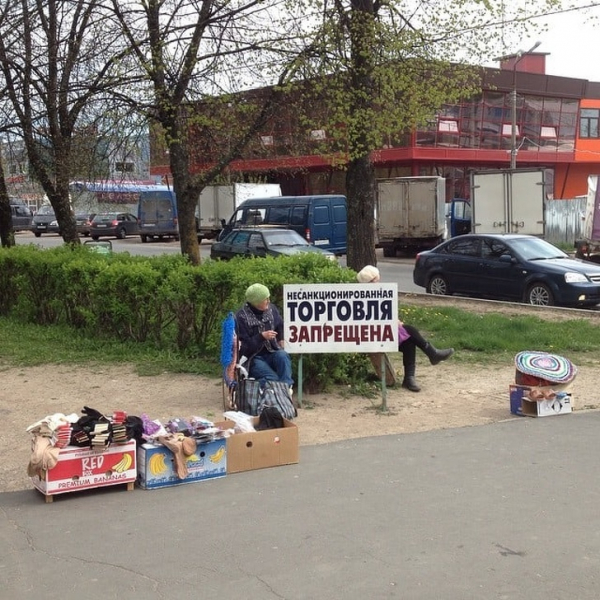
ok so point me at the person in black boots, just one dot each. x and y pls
(409, 339)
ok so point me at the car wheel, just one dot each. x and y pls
(95, 237)
(389, 252)
(144, 239)
(539, 294)
(121, 233)
(37, 234)
(438, 286)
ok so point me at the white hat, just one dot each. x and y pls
(367, 274)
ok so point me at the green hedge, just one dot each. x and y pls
(162, 300)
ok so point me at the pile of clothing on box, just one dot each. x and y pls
(92, 429)
(542, 369)
(181, 437)
(96, 430)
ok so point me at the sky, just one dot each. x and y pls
(572, 43)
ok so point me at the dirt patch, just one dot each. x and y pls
(452, 395)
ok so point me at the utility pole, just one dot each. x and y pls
(513, 129)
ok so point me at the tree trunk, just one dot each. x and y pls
(7, 234)
(56, 185)
(187, 200)
(65, 217)
(360, 186)
(360, 176)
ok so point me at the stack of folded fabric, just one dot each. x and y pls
(62, 435)
(48, 435)
(119, 429)
(100, 436)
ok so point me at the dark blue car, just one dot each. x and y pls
(516, 267)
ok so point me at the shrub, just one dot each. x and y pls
(163, 300)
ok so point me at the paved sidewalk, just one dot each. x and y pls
(503, 511)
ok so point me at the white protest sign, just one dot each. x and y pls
(343, 317)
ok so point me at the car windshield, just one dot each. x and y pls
(536, 249)
(284, 238)
(45, 210)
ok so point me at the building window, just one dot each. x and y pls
(548, 132)
(507, 129)
(124, 167)
(447, 126)
(588, 123)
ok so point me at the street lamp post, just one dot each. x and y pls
(513, 121)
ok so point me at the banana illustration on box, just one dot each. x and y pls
(157, 463)
(124, 464)
(218, 455)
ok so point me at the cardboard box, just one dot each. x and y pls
(261, 449)
(85, 468)
(516, 393)
(560, 405)
(156, 468)
(522, 405)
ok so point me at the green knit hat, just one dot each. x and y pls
(256, 293)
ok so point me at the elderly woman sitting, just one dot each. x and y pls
(259, 329)
(409, 339)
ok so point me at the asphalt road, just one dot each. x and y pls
(507, 511)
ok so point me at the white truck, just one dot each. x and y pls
(588, 247)
(410, 213)
(218, 202)
(502, 201)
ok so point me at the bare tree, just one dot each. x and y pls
(199, 53)
(59, 59)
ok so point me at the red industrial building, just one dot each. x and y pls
(556, 125)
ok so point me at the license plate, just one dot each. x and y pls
(100, 225)
(41, 227)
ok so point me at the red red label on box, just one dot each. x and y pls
(82, 468)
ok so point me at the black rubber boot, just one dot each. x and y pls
(408, 360)
(410, 383)
(436, 356)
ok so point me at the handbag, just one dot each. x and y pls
(277, 394)
(248, 397)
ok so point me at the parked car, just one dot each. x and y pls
(256, 241)
(44, 221)
(119, 225)
(21, 217)
(515, 267)
(321, 220)
(83, 222)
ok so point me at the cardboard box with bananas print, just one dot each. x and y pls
(156, 468)
(85, 468)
